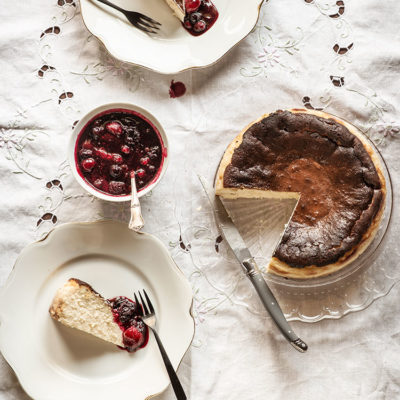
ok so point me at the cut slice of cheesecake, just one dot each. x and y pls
(79, 306)
(178, 7)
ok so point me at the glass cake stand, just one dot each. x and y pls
(261, 222)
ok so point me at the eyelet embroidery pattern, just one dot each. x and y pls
(199, 246)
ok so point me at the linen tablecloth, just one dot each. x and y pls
(339, 56)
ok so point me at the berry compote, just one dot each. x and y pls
(135, 333)
(115, 143)
(200, 16)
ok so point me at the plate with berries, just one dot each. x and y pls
(69, 324)
(193, 33)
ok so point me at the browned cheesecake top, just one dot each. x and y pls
(340, 189)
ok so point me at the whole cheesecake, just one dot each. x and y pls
(325, 163)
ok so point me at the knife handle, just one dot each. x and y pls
(271, 305)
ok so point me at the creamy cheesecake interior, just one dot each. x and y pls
(178, 7)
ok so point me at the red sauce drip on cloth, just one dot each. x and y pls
(177, 89)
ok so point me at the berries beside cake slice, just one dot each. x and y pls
(78, 305)
(197, 16)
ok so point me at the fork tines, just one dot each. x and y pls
(144, 307)
(143, 22)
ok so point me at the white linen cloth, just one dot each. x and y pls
(343, 57)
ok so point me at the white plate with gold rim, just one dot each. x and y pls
(56, 362)
(174, 49)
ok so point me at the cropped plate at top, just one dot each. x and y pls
(173, 49)
(115, 261)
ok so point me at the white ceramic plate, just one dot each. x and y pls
(174, 49)
(56, 362)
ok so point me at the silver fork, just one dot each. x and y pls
(138, 20)
(149, 318)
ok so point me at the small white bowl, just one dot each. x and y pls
(102, 110)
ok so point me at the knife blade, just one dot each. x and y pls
(235, 241)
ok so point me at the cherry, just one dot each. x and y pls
(192, 5)
(151, 168)
(116, 187)
(88, 164)
(193, 18)
(140, 172)
(97, 131)
(187, 24)
(103, 154)
(144, 160)
(125, 149)
(114, 127)
(117, 158)
(207, 6)
(132, 336)
(115, 171)
(200, 26)
(99, 183)
(86, 153)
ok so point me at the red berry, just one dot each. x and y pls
(140, 173)
(115, 171)
(192, 5)
(116, 187)
(199, 26)
(99, 183)
(187, 24)
(103, 154)
(88, 164)
(117, 158)
(97, 131)
(114, 127)
(132, 336)
(144, 160)
(86, 153)
(125, 149)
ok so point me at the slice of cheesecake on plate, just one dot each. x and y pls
(117, 320)
(79, 306)
(178, 7)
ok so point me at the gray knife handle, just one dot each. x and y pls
(271, 305)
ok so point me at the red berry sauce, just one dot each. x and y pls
(177, 89)
(113, 144)
(135, 333)
(200, 16)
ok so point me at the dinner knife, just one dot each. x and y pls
(235, 241)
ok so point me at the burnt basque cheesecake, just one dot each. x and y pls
(327, 165)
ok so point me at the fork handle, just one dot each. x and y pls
(112, 5)
(176, 385)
